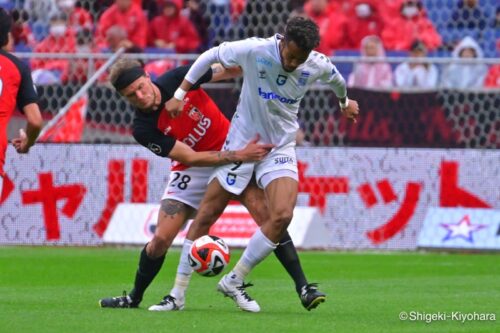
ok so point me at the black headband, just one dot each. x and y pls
(127, 77)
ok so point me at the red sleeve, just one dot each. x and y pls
(152, 35)
(335, 35)
(86, 19)
(140, 35)
(189, 40)
(493, 78)
(390, 37)
(430, 36)
(105, 22)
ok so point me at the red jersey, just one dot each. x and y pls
(16, 88)
(201, 126)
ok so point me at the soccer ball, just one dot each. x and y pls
(208, 255)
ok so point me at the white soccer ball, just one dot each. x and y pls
(208, 255)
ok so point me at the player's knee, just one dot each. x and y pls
(158, 246)
(199, 228)
(282, 217)
(261, 217)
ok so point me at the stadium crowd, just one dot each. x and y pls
(367, 28)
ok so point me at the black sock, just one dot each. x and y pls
(287, 255)
(146, 272)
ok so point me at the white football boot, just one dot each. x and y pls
(169, 303)
(234, 288)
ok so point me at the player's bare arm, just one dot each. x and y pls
(27, 137)
(220, 73)
(251, 153)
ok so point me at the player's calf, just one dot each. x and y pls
(158, 247)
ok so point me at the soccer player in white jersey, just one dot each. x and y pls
(277, 72)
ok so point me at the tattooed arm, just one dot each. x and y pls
(252, 152)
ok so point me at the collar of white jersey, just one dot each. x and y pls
(277, 39)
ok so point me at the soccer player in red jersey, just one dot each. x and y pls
(16, 88)
(191, 140)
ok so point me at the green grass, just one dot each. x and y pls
(46, 289)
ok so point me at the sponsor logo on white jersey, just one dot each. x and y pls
(272, 95)
(283, 160)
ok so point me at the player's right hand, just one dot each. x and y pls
(254, 151)
(174, 107)
(21, 142)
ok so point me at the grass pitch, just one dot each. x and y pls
(46, 289)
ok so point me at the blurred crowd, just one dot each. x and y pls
(369, 28)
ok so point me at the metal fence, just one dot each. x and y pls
(392, 116)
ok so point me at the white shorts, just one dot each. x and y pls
(235, 177)
(188, 186)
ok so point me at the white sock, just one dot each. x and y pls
(258, 248)
(184, 272)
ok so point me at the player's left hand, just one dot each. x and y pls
(351, 112)
(21, 142)
(174, 107)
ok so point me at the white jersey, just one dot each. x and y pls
(270, 96)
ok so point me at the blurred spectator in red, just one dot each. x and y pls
(172, 30)
(331, 23)
(78, 17)
(467, 14)
(465, 76)
(116, 37)
(371, 75)
(60, 40)
(127, 15)
(21, 31)
(195, 13)
(364, 20)
(416, 74)
(237, 7)
(389, 9)
(343, 6)
(411, 23)
(492, 79)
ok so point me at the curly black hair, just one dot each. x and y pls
(303, 31)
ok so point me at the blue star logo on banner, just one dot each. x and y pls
(463, 229)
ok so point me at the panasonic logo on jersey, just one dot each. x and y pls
(272, 95)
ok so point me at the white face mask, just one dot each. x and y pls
(363, 10)
(57, 30)
(66, 4)
(410, 11)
